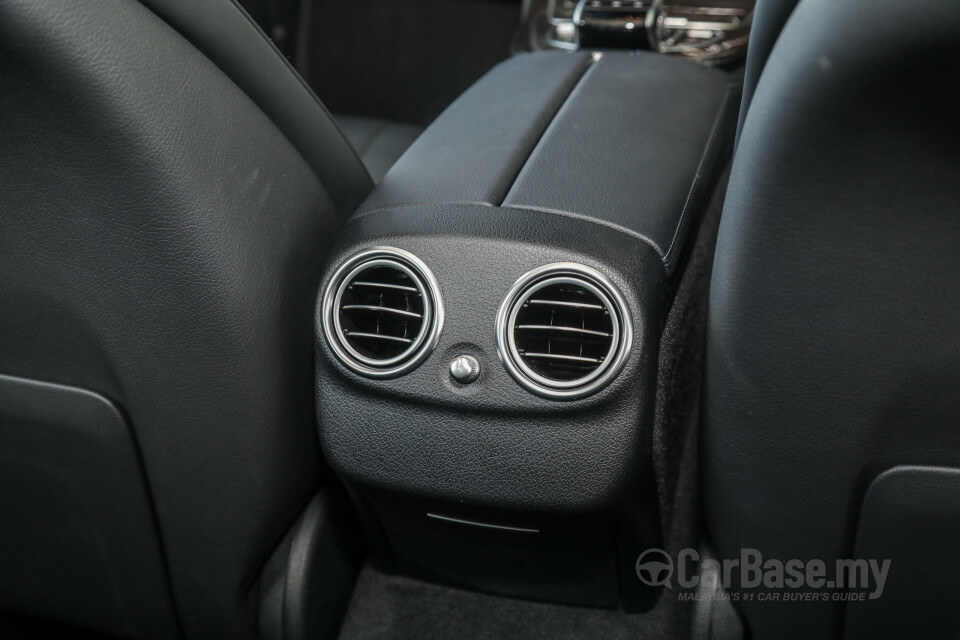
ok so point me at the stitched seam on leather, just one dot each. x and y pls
(698, 176)
(576, 85)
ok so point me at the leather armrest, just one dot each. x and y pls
(626, 140)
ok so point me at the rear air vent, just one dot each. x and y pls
(382, 312)
(564, 331)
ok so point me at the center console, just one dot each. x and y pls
(489, 326)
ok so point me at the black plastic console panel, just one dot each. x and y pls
(551, 157)
(911, 518)
(492, 452)
(492, 442)
(590, 159)
(79, 541)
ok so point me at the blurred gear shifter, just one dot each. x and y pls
(707, 32)
(612, 24)
(711, 34)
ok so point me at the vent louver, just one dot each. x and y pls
(564, 331)
(382, 312)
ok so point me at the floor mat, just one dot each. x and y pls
(403, 609)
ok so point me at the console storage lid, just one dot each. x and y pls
(627, 140)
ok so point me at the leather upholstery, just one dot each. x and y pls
(379, 143)
(163, 224)
(537, 132)
(224, 33)
(769, 17)
(474, 150)
(587, 161)
(834, 330)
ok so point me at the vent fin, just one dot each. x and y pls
(382, 316)
(382, 312)
(564, 331)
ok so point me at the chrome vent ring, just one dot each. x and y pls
(382, 312)
(564, 331)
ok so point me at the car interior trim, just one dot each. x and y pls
(224, 32)
(482, 525)
(599, 285)
(432, 322)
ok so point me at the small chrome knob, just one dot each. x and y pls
(465, 369)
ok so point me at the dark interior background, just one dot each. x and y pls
(401, 60)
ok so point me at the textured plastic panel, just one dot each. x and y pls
(910, 516)
(492, 442)
(78, 540)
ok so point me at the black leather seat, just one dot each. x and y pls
(834, 328)
(170, 188)
(379, 143)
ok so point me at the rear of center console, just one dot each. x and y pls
(489, 327)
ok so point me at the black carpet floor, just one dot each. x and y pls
(403, 609)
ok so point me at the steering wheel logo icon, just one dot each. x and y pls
(655, 568)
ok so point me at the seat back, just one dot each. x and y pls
(834, 330)
(168, 191)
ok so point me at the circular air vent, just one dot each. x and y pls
(564, 331)
(382, 312)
